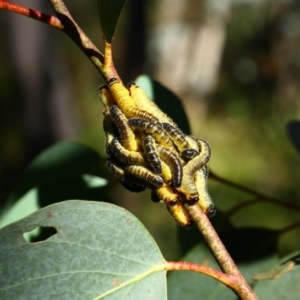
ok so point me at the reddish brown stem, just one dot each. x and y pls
(32, 13)
(241, 288)
(228, 280)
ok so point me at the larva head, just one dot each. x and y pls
(211, 211)
(189, 153)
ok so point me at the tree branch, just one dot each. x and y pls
(241, 287)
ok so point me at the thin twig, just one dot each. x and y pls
(261, 196)
(32, 13)
(241, 288)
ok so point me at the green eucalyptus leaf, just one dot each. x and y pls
(167, 101)
(284, 288)
(64, 171)
(97, 251)
(109, 13)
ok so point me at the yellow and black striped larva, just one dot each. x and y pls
(126, 102)
(174, 162)
(205, 201)
(110, 132)
(155, 129)
(180, 214)
(143, 176)
(188, 186)
(151, 155)
(116, 150)
(143, 102)
(179, 140)
(118, 172)
(127, 136)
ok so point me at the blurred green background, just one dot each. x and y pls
(234, 64)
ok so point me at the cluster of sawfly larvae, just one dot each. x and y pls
(146, 149)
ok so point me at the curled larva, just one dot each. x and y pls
(127, 136)
(126, 103)
(116, 150)
(180, 141)
(205, 201)
(118, 172)
(188, 187)
(143, 102)
(151, 155)
(180, 214)
(143, 176)
(174, 162)
(155, 129)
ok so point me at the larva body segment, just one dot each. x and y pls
(155, 129)
(152, 157)
(119, 172)
(126, 103)
(123, 155)
(167, 195)
(143, 176)
(166, 174)
(180, 215)
(143, 102)
(180, 141)
(110, 132)
(205, 201)
(174, 162)
(188, 186)
(127, 136)
(106, 97)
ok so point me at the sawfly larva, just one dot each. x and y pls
(179, 140)
(205, 201)
(110, 132)
(143, 102)
(118, 172)
(155, 129)
(167, 195)
(151, 156)
(127, 136)
(106, 97)
(180, 214)
(188, 187)
(123, 155)
(126, 103)
(174, 162)
(143, 176)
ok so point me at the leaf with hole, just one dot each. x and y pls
(65, 170)
(97, 250)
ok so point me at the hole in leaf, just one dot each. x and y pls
(39, 234)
